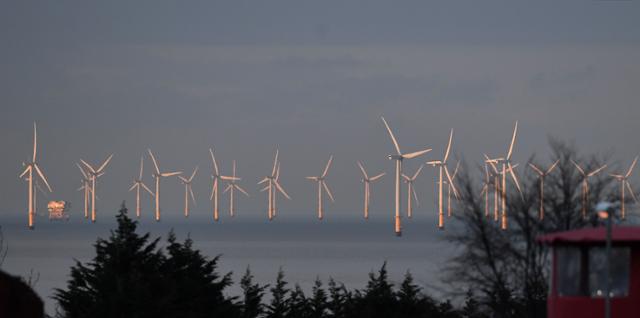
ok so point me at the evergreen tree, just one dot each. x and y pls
(471, 308)
(318, 302)
(279, 302)
(340, 302)
(252, 296)
(378, 299)
(298, 304)
(123, 279)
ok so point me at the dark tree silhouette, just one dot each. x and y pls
(279, 306)
(298, 304)
(318, 301)
(252, 296)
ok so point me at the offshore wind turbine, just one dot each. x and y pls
(322, 184)
(449, 187)
(29, 172)
(158, 175)
(585, 185)
(507, 167)
(399, 157)
(231, 186)
(216, 179)
(94, 174)
(443, 171)
(542, 174)
(273, 186)
(367, 187)
(188, 191)
(410, 190)
(86, 187)
(137, 184)
(624, 186)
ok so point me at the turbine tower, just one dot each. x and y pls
(624, 186)
(216, 178)
(158, 175)
(29, 172)
(367, 187)
(487, 183)
(188, 191)
(411, 191)
(231, 187)
(507, 167)
(585, 185)
(322, 184)
(137, 184)
(542, 174)
(442, 172)
(94, 174)
(399, 157)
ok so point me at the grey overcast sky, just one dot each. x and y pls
(309, 77)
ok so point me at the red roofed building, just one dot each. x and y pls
(578, 276)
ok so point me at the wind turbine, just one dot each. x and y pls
(542, 174)
(86, 186)
(231, 187)
(410, 190)
(442, 171)
(487, 183)
(398, 157)
(93, 175)
(367, 187)
(273, 186)
(585, 185)
(322, 184)
(449, 187)
(157, 174)
(137, 184)
(624, 183)
(188, 191)
(507, 167)
(29, 171)
(217, 178)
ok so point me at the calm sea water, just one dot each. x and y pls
(346, 250)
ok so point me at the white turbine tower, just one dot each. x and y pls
(442, 172)
(322, 184)
(216, 179)
(542, 174)
(624, 186)
(188, 191)
(29, 171)
(585, 185)
(411, 191)
(86, 188)
(157, 175)
(94, 174)
(367, 187)
(399, 157)
(137, 184)
(273, 186)
(231, 187)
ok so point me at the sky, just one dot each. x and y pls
(311, 78)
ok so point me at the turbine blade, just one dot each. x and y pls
(193, 197)
(229, 186)
(228, 178)
(415, 196)
(326, 169)
(415, 175)
(169, 174)
(416, 154)
(406, 177)
(515, 179)
(87, 165)
(538, 171)
(633, 164)
(362, 169)
(141, 166)
(393, 138)
(491, 163)
(147, 189)
(25, 172)
(633, 195)
(35, 142)
(553, 166)
(265, 189)
(213, 159)
(130, 189)
(275, 163)
(42, 176)
(377, 177)
(593, 173)
(279, 187)
(578, 167)
(105, 163)
(263, 180)
(183, 179)
(453, 186)
(326, 188)
(312, 178)
(214, 188)
(241, 190)
(193, 174)
(513, 141)
(155, 163)
(455, 171)
(446, 154)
